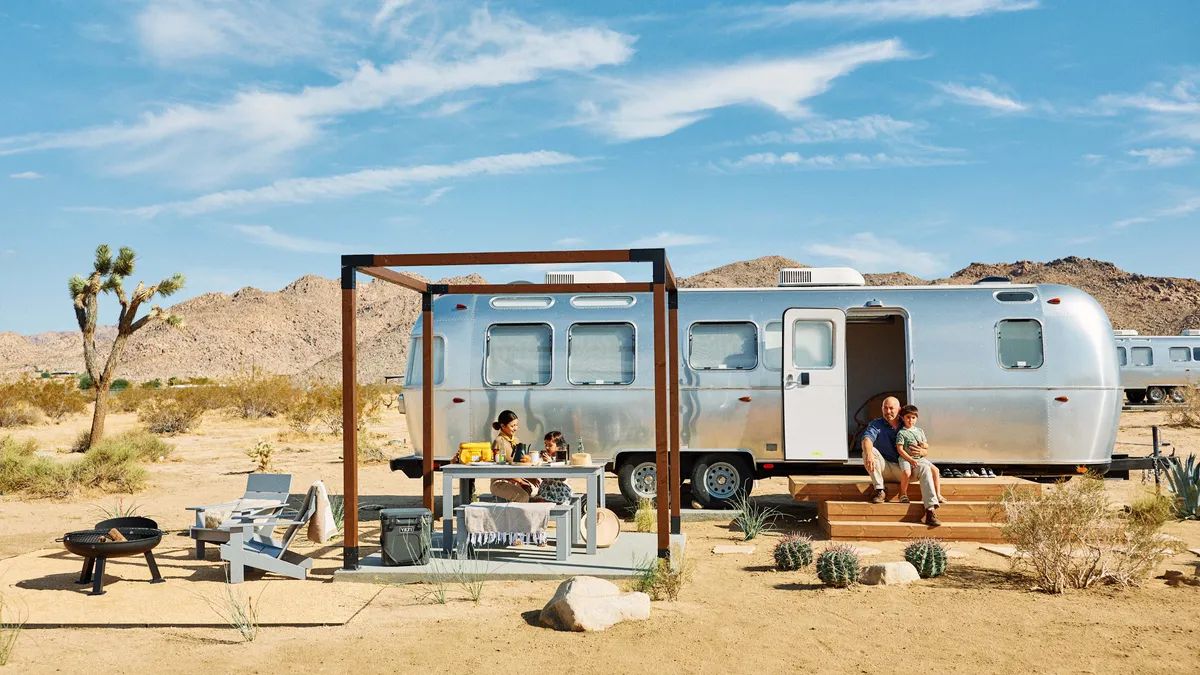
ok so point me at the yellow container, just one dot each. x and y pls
(474, 452)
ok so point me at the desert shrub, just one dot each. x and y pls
(753, 519)
(262, 453)
(152, 384)
(132, 399)
(255, 393)
(18, 414)
(369, 452)
(113, 465)
(24, 471)
(55, 398)
(85, 382)
(306, 409)
(119, 384)
(1185, 413)
(171, 415)
(1183, 478)
(144, 446)
(1071, 537)
(644, 517)
(326, 399)
(1152, 509)
(663, 578)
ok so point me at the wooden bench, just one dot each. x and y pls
(566, 517)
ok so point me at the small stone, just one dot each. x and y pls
(951, 553)
(864, 551)
(1194, 551)
(889, 574)
(591, 604)
(1001, 550)
(728, 550)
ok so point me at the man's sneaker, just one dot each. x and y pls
(931, 518)
(880, 497)
(970, 474)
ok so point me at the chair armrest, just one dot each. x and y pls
(260, 523)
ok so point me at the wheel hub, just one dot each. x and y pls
(645, 480)
(722, 480)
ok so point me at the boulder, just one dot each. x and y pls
(889, 574)
(590, 604)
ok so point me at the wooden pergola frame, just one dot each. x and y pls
(666, 359)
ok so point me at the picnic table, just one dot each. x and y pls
(466, 473)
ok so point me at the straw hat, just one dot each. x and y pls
(581, 459)
(608, 527)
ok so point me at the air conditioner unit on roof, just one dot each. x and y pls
(1190, 332)
(1125, 333)
(585, 277)
(820, 276)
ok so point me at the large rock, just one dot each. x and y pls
(889, 574)
(589, 604)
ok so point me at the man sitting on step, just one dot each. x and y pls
(882, 461)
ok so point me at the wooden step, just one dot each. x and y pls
(865, 530)
(913, 512)
(842, 488)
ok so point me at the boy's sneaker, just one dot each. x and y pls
(903, 499)
(970, 474)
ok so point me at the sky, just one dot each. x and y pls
(248, 143)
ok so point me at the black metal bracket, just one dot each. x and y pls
(358, 260)
(674, 524)
(427, 302)
(658, 256)
(349, 278)
(350, 557)
(439, 289)
(673, 299)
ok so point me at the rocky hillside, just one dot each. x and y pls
(296, 330)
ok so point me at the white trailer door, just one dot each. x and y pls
(814, 384)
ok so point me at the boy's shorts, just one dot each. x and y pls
(907, 467)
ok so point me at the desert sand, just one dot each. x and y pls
(736, 615)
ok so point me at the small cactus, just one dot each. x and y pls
(837, 566)
(928, 555)
(793, 552)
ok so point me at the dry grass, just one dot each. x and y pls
(11, 623)
(25, 400)
(176, 413)
(664, 578)
(1070, 536)
(115, 464)
(1185, 414)
(644, 517)
(254, 394)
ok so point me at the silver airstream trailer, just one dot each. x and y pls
(778, 381)
(1158, 368)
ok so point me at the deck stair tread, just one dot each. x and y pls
(842, 488)
(913, 512)
(866, 530)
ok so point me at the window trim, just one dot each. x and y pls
(580, 301)
(692, 326)
(1187, 352)
(1145, 365)
(1196, 353)
(833, 341)
(996, 342)
(1123, 359)
(763, 358)
(487, 350)
(603, 323)
(445, 345)
(1032, 297)
(504, 299)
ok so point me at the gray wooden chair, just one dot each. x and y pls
(251, 543)
(266, 494)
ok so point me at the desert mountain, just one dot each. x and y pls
(296, 330)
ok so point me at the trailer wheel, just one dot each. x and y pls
(638, 479)
(1156, 395)
(719, 479)
(1135, 396)
(1177, 396)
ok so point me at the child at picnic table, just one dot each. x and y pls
(913, 448)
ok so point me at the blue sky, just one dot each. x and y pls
(248, 143)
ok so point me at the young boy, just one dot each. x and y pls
(908, 438)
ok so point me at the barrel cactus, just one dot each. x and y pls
(928, 555)
(793, 552)
(837, 566)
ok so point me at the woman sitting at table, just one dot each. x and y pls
(510, 489)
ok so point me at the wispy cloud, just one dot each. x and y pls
(981, 97)
(267, 235)
(27, 175)
(450, 108)
(435, 196)
(849, 161)
(305, 190)
(881, 11)
(1170, 111)
(868, 252)
(668, 239)
(663, 104)
(254, 130)
(570, 241)
(867, 128)
(1164, 157)
(1183, 208)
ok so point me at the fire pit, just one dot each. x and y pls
(97, 545)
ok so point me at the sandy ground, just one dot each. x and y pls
(736, 615)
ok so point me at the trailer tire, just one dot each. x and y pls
(1135, 396)
(1156, 395)
(1177, 395)
(720, 479)
(637, 477)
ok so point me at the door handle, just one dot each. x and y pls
(792, 381)
(804, 379)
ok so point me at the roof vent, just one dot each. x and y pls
(585, 277)
(1125, 333)
(820, 276)
(994, 280)
(1190, 332)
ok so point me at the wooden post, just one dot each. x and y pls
(661, 453)
(427, 402)
(349, 420)
(673, 375)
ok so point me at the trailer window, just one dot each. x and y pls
(1196, 353)
(812, 344)
(723, 346)
(518, 354)
(1019, 342)
(773, 345)
(1142, 356)
(414, 374)
(1180, 354)
(1122, 358)
(600, 353)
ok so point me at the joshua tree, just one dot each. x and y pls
(108, 276)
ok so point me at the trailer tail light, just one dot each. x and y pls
(460, 306)
(1081, 469)
(459, 400)
(744, 399)
(1054, 301)
(1061, 399)
(768, 466)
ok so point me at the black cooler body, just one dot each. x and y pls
(405, 536)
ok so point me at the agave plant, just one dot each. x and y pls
(1183, 477)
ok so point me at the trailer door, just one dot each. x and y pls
(814, 384)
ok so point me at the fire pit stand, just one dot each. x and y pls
(96, 547)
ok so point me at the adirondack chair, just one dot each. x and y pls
(266, 495)
(251, 545)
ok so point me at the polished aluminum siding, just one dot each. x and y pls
(1164, 372)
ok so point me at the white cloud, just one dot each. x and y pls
(252, 132)
(660, 105)
(665, 239)
(1092, 159)
(450, 108)
(851, 160)
(435, 196)
(570, 241)
(1171, 111)
(868, 252)
(1164, 157)
(29, 175)
(881, 11)
(265, 234)
(981, 97)
(305, 190)
(386, 10)
(1183, 208)
(868, 128)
